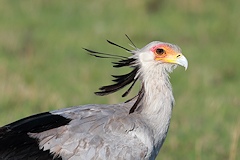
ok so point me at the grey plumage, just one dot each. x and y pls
(135, 129)
(96, 132)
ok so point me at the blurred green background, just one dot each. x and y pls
(43, 66)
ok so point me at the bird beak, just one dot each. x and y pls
(182, 61)
(176, 58)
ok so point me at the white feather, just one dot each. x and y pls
(109, 131)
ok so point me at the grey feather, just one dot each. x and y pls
(133, 130)
(96, 132)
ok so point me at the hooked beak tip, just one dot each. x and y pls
(182, 61)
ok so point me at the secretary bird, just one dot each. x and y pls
(135, 129)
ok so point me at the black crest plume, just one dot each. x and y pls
(121, 81)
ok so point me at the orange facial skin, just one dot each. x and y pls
(165, 53)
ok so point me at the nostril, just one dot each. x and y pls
(178, 55)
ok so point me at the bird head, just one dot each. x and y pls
(159, 55)
(165, 54)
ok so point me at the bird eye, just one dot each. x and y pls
(160, 51)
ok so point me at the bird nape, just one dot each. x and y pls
(135, 129)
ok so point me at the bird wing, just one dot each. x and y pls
(89, 132)
(95, 132)
(17, 144)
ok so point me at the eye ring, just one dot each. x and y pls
(160, 51)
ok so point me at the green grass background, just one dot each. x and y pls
(43, 66)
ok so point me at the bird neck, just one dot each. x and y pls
(158, 97)
(158, 102)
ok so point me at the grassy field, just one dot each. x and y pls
(43, 66)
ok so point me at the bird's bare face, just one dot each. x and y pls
(169, 53)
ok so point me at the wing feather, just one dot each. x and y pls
(100, 131)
